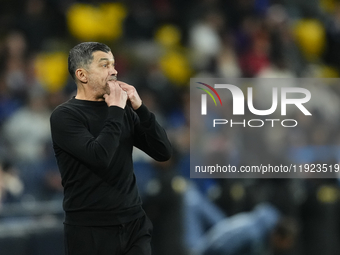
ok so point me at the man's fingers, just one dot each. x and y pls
(131, 93)
(124, 85)
(127, 88)
(113, 83)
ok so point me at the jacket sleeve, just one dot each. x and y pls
(70, 134)
(150, 137)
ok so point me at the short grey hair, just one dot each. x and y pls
(81, 55)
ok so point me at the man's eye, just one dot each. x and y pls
(105, 65)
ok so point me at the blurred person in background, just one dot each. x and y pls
(27, 130)
(8, 102)
(13, 80)
(208, 231)
(11, 186)
(26, 134)
(93, 135)
(15, 57)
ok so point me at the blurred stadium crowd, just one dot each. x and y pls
(158, 45)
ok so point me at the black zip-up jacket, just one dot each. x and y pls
(93, 147)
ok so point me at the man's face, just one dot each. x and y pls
(100, 71)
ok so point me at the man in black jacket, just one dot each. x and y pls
(93, 135)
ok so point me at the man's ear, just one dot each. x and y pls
(81, 75)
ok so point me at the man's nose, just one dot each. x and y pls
(113, 71)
